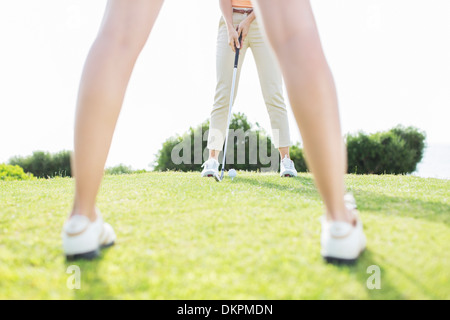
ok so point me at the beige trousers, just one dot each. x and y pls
(270, 79)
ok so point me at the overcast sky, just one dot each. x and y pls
(390, 59)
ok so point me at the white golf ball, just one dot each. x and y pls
(232, 173)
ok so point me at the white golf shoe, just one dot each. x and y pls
(210, 168)
(343, 242)
(287, 168)
(83, 239)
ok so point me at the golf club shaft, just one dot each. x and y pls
(228, 123)
(233, 84)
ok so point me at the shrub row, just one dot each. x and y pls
(397, 151)
(44, 164)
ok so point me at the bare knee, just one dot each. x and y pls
(120, 41)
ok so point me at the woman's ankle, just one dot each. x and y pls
(89, 213)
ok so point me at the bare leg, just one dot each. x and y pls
(284, 151)
(292, 32)
(214, 154)
(124, 31)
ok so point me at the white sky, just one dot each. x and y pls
(390, 59)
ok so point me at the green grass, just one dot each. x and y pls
(257, 237)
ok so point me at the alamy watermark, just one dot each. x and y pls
(251, 148)
(74, 280)
(374, 281)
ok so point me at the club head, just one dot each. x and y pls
(217, 177)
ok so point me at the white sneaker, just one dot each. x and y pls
(342, 242)
(210, 168)
(83, 239)
(287, 168)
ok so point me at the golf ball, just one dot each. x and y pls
(232, 173)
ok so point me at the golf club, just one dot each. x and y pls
(236, 61)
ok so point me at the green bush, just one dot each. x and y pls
(44, 164)
(120, 169)
(10, 173)
(397, 151)
(296, 154)
(199, 152)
